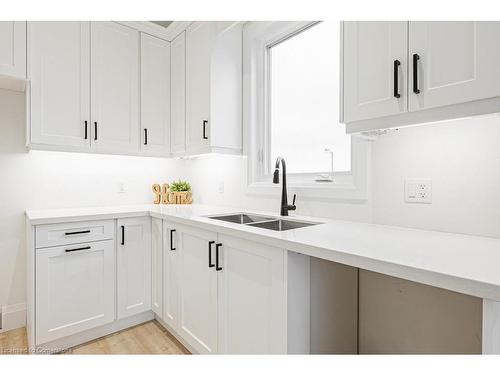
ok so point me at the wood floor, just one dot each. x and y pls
(147, 338)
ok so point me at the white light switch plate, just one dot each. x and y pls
(418, 190)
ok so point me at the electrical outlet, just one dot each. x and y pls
(418, 190)
(122, 188)
(221, 187)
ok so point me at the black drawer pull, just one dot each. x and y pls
(397, 63)
(78, 249)
(86, 130)
(416, 57)
(172, 239)
(95, 131)
(217, 267)
(205, 122)
(77, 232)
(145, 136)
(210, 264)
(123, 234)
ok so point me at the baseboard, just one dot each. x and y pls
(173, 333)
(13, 316)
(92, 334)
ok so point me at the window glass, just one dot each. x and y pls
(304, 102)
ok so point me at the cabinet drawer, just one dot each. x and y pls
(69, 233)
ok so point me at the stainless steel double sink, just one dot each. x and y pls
(266, 222)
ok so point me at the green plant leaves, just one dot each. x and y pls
(180, 186)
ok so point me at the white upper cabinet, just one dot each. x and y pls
(178, 94)
(155, 95)
(59, 71)
(213, 87)
(13, 49)
(375, 69)
(115, 87)
(453, 62)
(127, 92)
(133, 266)
(451, 69)
(251, 297)
(200, 38)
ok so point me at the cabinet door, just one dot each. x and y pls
(198, 289)
(200, 37)
(59, 70)
(75, 289)
(178, 94)
(251, 298)
(115, 88)
(13, 49)
(457, 62)
(170, 276)
(155, 95)
(133, 265)
(157, 266)
(372, 50)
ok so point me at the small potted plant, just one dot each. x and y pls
(180, 193)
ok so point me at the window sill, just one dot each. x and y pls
(346, 191)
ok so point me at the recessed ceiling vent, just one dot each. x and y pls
(164, 24)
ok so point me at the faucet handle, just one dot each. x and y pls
(292, 207)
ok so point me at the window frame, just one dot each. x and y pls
(258, 38)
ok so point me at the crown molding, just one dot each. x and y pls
(167, 33)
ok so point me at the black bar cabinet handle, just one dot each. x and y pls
(77, 232)
(78, 249)
(86, 130)
(210, 264)
(217, 267)
(172, 239)
(397, 63)
(205, 122)
(416, 57)
(123, 234)
(95, 131)
(145, 136)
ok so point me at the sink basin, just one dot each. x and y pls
(281, 224)
(241, 218)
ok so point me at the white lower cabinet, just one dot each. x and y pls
(217, 293)
(170, 277)
(75, 289)
(157, 266)
(197, 288)
(223, 294)
(251, 297)
(133, 266)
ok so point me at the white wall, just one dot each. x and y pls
(42, 179)
(462, 158)
(208, 171)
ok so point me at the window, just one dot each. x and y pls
(303, 102)
(291, 101)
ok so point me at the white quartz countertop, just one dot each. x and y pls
(463, 263)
